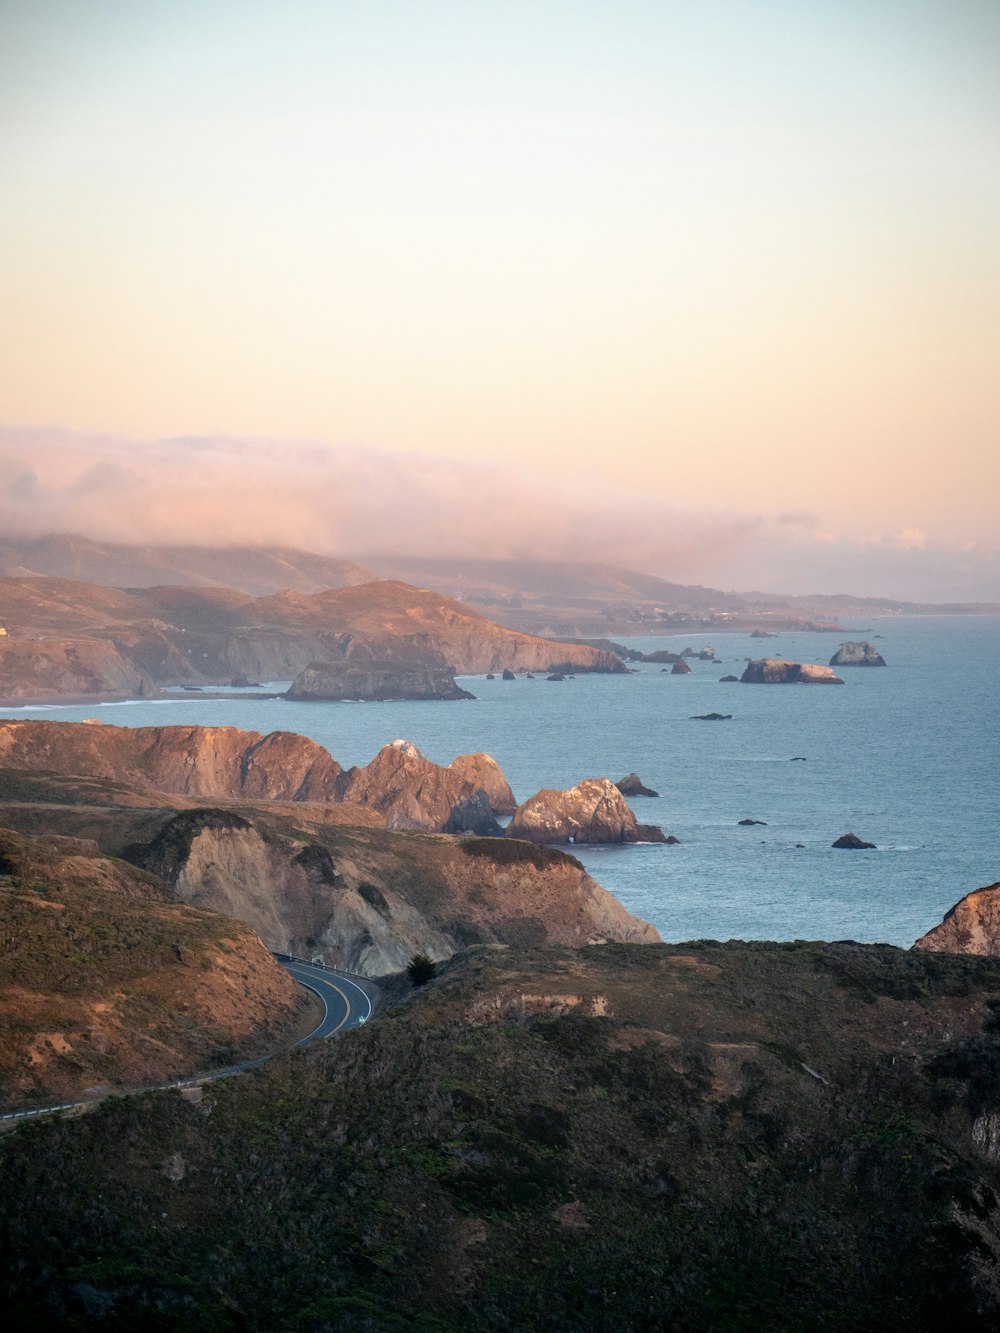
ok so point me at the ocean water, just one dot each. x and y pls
(905, 757)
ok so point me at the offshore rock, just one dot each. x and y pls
(632, 785)
(971, 926)
(857, 654)
(852, 842)
(374, 681)
(680, 668)
(776, 671)
(594, 811)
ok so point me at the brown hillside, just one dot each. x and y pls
(106, 981)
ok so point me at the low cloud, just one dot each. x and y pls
(358, 502)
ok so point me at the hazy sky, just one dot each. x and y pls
(739, 260)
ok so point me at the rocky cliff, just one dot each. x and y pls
(399, 787)
(971, 926)
(368, 900)
(776, 671)
(42, 668)
(221, 762)
(106, 980)
(412, 792)
(177, 635)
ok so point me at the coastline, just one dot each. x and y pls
(165, 696)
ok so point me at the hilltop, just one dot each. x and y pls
(70, 638)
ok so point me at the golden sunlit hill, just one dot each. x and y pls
(78, 639)
(108, 980)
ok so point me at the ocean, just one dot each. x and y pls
(905, 757)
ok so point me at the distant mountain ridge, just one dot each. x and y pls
(562, 599)
(256, 571)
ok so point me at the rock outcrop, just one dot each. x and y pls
(412, 792)
(971, 926)
(632, 785)
(372, 681)
(851, 842)
(680, 668)
(594, 811)
(776, 671)
(857, 654)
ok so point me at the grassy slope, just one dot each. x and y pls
(619, 1137)
(106, 980)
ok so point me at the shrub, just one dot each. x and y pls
(421, 969)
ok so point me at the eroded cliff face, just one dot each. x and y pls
(412, 792)
(368, 900)
(107, 980)
(39, 668)
(227, 764)
(972, 925)
(222, 762)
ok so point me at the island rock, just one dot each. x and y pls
(857, 654)
(680, 669)
(374, 681)
(776, 671)
(594, 811)
(852, 842)
(632, 785)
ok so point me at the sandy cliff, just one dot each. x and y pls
(971, 926)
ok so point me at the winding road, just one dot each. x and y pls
(346, 1004)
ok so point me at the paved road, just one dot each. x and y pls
(346, 1005)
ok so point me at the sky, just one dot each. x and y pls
(706, 287)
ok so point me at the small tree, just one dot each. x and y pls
(420, 969)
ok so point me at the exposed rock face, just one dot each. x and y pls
(662, 655)
(857, 654)
(852, 842)
(776, 671)
(474, 815)
(412, 792)
(348, 680)
(368, 900)
(108, 979)
(224, 763)
(214, 762)
(971, 926)
(37, 669)
(632, 785)
(728, 680)
(594, 811)
(680, 669)
(712, 717)
(508, 674)
(482, 770)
